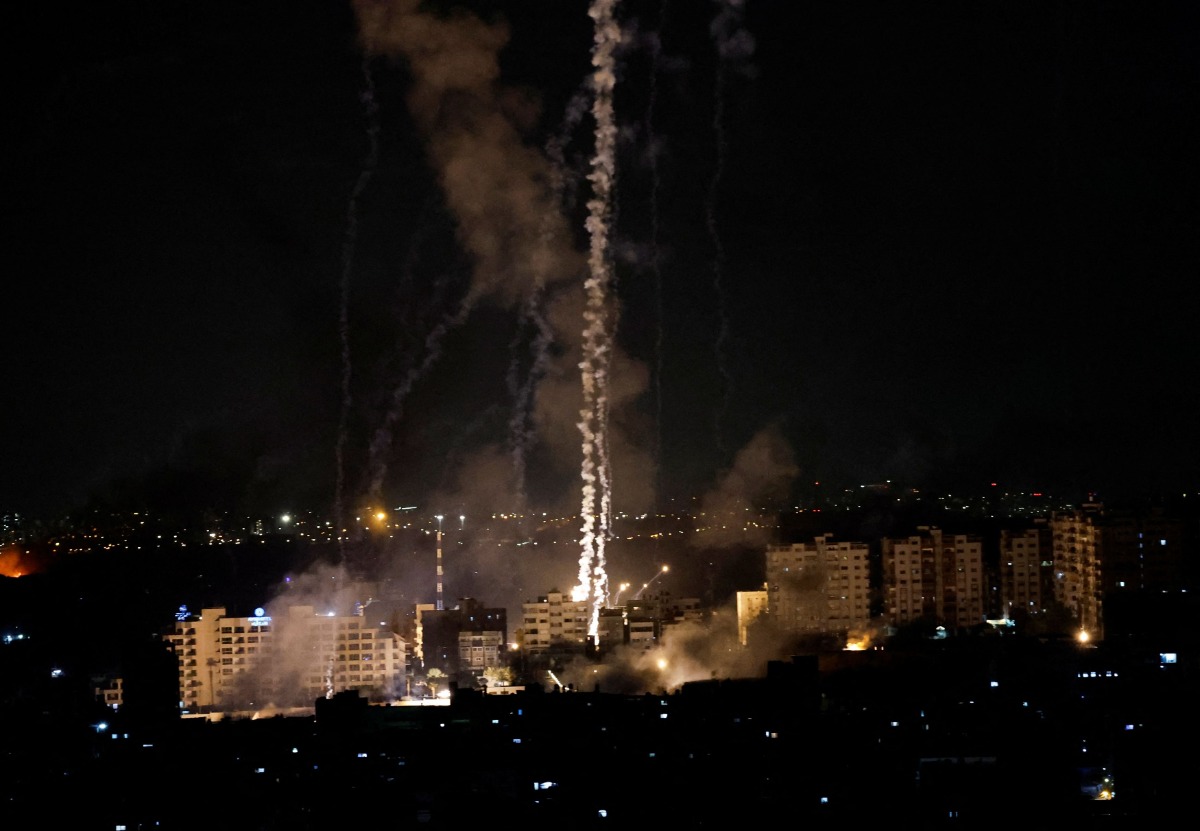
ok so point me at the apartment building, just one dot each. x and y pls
(934, 577)
(819, 588)
(1026, 570)
(554, 623)
(1077, 571)
(259, 662)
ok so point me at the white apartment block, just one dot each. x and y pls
(823, 587)
(229, 664)
(643, 633)
(554, 622)
(933, 577)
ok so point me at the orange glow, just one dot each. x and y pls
(14, 563)
(857, 642)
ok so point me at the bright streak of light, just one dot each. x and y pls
(646, 585)
(597, 340)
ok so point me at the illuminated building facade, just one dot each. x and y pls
(111, 692)
(1077, 566)
(554, 623)
(479, 650)
(822, 587)
(1026, 570)
(643, 632)
(934, 577)
(750, 606)
(229, 664)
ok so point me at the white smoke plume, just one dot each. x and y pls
(689, 651)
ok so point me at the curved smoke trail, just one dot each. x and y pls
(655, 266)
(520, 426)
(348, 251)
(521, 429)
(381, 441)
(732, 43)
(494, 184)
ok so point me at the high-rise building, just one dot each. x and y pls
(258, 663)
(1140, 549)
(819, 588)
(554, 623)
(932, 577)
(1026, 569)
(1077, 566)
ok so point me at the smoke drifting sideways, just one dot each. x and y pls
(689, 651)
(502, 193)
(281, 680)
(507, 198)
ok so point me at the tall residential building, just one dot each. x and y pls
(1140, 549)
(1077, 566)
(256, 663)
(933, 577)
(554, 623)
(1026, 570)
(823, 587)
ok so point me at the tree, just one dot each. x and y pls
(499, 676)
(434, 678)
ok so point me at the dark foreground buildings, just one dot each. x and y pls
(997, 733)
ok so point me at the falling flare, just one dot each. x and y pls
(597, 343)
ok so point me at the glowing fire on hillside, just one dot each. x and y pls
(15, 562)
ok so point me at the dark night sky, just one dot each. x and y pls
(942, 243)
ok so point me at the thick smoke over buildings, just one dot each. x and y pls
(687, 651)
(501, 189)
(512, 197)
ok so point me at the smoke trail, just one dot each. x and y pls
(521, 432)
(655, 266)
(597, 346)
(732, 43)
(348, 250)
(520, 425)
(564, 186)
(382, 439)
(494, 184)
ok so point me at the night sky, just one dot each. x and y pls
(276, 255)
